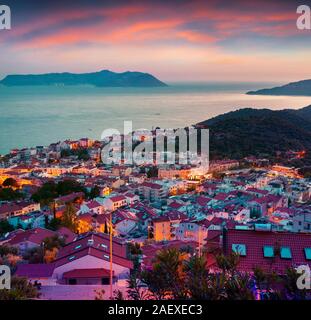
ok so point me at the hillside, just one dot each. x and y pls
(262, 132)
(300, 88)
(103, 78)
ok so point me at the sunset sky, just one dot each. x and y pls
(175, 40)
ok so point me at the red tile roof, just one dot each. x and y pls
(92, 244)
(151, 185)
(86, 273)
(256, 240)
(117, 198)
(36, 235)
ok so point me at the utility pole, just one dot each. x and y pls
(111, 272)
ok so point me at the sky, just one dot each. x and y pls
(175, 40)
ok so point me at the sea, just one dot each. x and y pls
(32, 116)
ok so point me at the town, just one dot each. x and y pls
(68, 221)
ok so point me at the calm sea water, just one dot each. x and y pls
(31, 116)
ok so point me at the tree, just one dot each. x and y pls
(50, 255)
(197, 278)
(34, 255)
(54, 224)
(21, 289)
(69, 218)
(10, 182)
(5, 227)
(53, 242)
(167, 277)
(8, 194)
(134, 289)
(95, 192)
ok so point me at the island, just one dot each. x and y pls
(104, 78)
(300, 88)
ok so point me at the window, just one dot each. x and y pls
(106, 257)
(239, 249)
(104, 246)
(90, 242)
(268, 251)
(308, 253)
(286, 253)
(78, 246)
(71, 258)
(72, 281)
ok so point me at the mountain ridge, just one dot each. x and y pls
(259, 132)
(298, 88)
(103, 78)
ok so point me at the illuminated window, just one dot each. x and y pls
(239, 249)
(71, 258)
(308, 253)
(268, 251)
(106, 256)
(78, 246)
(286, 253)
(104, 246)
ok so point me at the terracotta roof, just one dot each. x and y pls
(255, 241)
(36, 235)
(117, 198)
(86, 273)
(151, 185)
(70, 197)
(93, 204)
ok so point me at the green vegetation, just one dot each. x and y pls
(81, 153)
(8, 194)
(94, 193)
(179, 275)
(261, 133)
(10, 182)
(5, 227)
(50, 190)
(69, 218)
(21, 289)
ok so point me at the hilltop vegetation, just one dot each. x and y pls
(262, 133)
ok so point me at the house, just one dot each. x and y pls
(72, 197)
(269, 250)
(30, 220)
(131, 198)
(192, 231)
(115, 202)
(124, 222)
(92, 206)
(30, 239)
(163, 228)
(302, 221)
(152, 191)
(17, 208)
(87, 261)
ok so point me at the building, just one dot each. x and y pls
(152, 191)
(269, 250)
(164, 228)
(115, 202)
(87, 261)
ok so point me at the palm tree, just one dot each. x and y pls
(167, 276)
